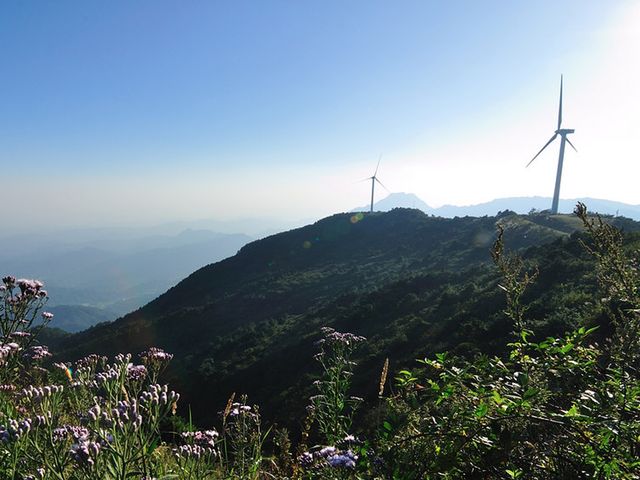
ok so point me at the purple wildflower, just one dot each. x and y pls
(37, 352)
(20, 334)
(94, 413)
(332, 336)
(84, 452)
(90, 362)
(326, 451)
(7, 349)
(14, 430)
(343, 460)
(158, 395)
(136, 372)
(29, 288)
(206, 438)
(155, 354)
(39, 393)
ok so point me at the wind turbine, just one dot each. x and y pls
(374, 179)
(563, 132)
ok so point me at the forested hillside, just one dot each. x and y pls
(412, 284)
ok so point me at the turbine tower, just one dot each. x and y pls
(563, 132)
(374, 179)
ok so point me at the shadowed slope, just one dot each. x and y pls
(404, 279)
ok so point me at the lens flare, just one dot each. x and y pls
(357, 217)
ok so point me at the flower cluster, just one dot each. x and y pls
(112, 413)
(31, 288)
(16, 429)
(90, 362)
(328, 457)
(156, 360)
(74, 431)
(155, 354)
(239, 409)
(6, 349)
(332, 336)
(197, 445)
(20, 335)
(94, 413)
(104, 377)
(127, 414)
(206, 438)
(158, 395)
(136, 373)
(193, 452)
(37, 353)
(344, 459)
(40, 393)
(84, 452)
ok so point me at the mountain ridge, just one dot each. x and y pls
(404, 279)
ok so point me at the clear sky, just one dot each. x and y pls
(125, 112)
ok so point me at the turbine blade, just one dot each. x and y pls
(569, 142)
(545, 146)
(383, 185)
(363, 180)
(560, 109)
(377, 166)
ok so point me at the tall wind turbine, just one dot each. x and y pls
(374, 179)
(563, 132)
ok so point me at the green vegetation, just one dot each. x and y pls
(533, 406)
(408, 282)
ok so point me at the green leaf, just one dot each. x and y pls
(573, 411)
(530, 393)
(481, 410)
(567, 348)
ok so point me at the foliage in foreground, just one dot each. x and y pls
(566, 407)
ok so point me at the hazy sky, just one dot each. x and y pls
(145, 111)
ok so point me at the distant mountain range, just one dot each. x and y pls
(411, 283)
(96, 276)
(75, 318)
(521, 205)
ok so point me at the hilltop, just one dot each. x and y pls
(413, 284)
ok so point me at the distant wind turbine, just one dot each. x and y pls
(563, 132)
(374, 179)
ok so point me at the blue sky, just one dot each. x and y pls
(147, 111)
